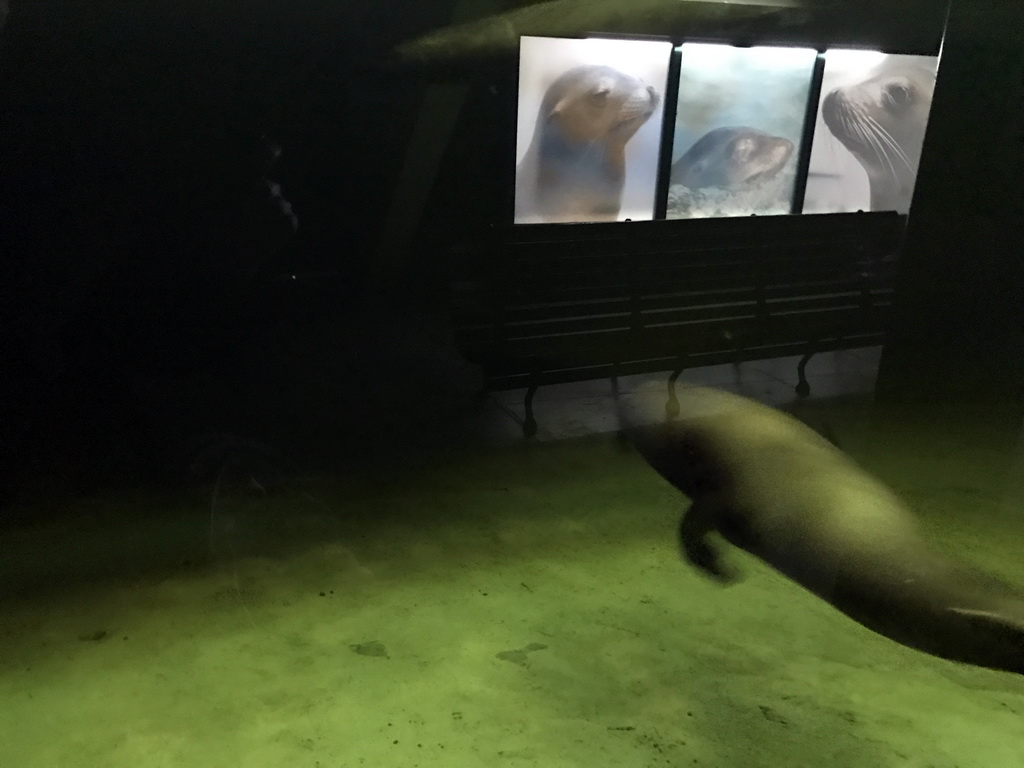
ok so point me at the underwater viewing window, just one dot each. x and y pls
(871, 121)
(739, 123)
(589, 131)
(742, 138)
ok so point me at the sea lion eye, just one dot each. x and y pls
(898, 94)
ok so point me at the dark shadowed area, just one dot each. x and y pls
(309, 457)
(191, 196)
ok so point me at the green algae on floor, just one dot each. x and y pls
(523, 607)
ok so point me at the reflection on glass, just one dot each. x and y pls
(869, 131)
(589, 129)
(739, 122)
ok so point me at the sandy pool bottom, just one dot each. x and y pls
(512, 608)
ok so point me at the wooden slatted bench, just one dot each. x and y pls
(548, 304)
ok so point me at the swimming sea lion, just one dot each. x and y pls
(500, 33)
(775, 488)
(575, 166)
(730, 158)
(882, 121)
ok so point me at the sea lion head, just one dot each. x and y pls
(681, 449)
(575, 168)
(732, 157)
(596, 103)
(684, 457)
(881, 120)
(760, 155)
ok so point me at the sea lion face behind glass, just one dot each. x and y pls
(591, 104)
(881, 121)
(575, 168)
(732, 157)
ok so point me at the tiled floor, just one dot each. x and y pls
(574, 410)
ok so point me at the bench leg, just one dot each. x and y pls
(529, 421)
(620, 433)
(803, 389)
(672, 406)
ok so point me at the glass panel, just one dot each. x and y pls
(740, 119)
(589, 132)
(868, 135)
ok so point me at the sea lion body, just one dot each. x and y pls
(575, 166)
(881, 120)
(730, 158)
(772, 486)
(500, 34)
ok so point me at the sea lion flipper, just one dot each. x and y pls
(698, 521)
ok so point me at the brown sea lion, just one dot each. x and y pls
(772, 486)
(500, 33)
(730, 158)
(575, 166)
(882, 121)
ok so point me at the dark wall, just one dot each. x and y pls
(129, 139)
(958, 336)
(121, 116)
(129, 153)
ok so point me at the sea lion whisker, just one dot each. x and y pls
(877, 144)
(881, 119)
(875, 138)
(855, 126)
(861, 130)
(891, 141)
(884, 149)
